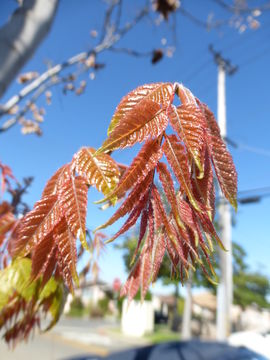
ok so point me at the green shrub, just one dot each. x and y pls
(148, 296)
(103, 305)
(76, 307)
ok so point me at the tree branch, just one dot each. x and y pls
(238, 9)
(109, 40)
(22, 34)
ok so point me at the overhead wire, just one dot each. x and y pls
(242, 40)
(242, 146)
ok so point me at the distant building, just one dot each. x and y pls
(90, 292)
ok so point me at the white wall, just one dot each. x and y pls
(137, 318)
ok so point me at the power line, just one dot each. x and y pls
(255, 190)
(231, 46)
(197, 71)
(241, 146)
(249, 196)
(256, 57)
(246, 36)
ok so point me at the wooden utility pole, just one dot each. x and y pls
(225, 287)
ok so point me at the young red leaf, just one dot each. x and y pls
(221, 158)
(168, 187)
(37, 224)
(73, 199)
(204, 188)
(42, 254)
(100, 171)
(7, 221)
(159, 93)
(147, 220)
(171, 232)
(157, 255)
(131, 220)
(144, 162)
(56, 181)
(136, 195)
(139, 276)
(50, 266)
(66, 244)
(148, 121)
(145, 275)
(132, 284)
(177, 158)
(209, 228)
(189, 123)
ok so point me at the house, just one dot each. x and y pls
(90, 292)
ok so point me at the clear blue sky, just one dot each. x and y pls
(72, 122)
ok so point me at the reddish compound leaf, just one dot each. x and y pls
(209, 228)
(100, 171)
(132, 284)
(145, 274)
(7, 220)
(148, 121)
(37, 224)
(139, 277)
(171, 232)
(222, 160)
(131, 220)
(134, 197)
(73, 199)
(41, 257)
(159, 93)
(177, 158)
(189, 123)
(147, 220)
(144, 162)
(204, 188)
(57, 180)
(66, 244)
(168, 187)
(50, 265)
(157, 255)
(6, 176)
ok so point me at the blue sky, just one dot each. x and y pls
(72, 122)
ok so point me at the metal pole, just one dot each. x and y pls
(225, 287)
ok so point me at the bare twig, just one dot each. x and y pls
(131, 52)
(199, 22)
(40, 90)
(41, 81)
(107, 26)
(235, 9)
(118, 15)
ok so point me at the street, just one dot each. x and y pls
(72, 337)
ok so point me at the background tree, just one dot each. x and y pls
(250, 287)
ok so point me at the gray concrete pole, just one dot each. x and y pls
(225, 287)
(187, 315)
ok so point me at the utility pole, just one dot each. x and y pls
(187, 315)
(225, 287)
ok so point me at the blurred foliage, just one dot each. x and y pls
(180, 306)
(162, 334)
(76, 307)
(250, 287)
(148, 296)
(103, 304)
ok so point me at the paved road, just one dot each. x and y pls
(72, 337)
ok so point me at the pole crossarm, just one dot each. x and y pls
(221, 61)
